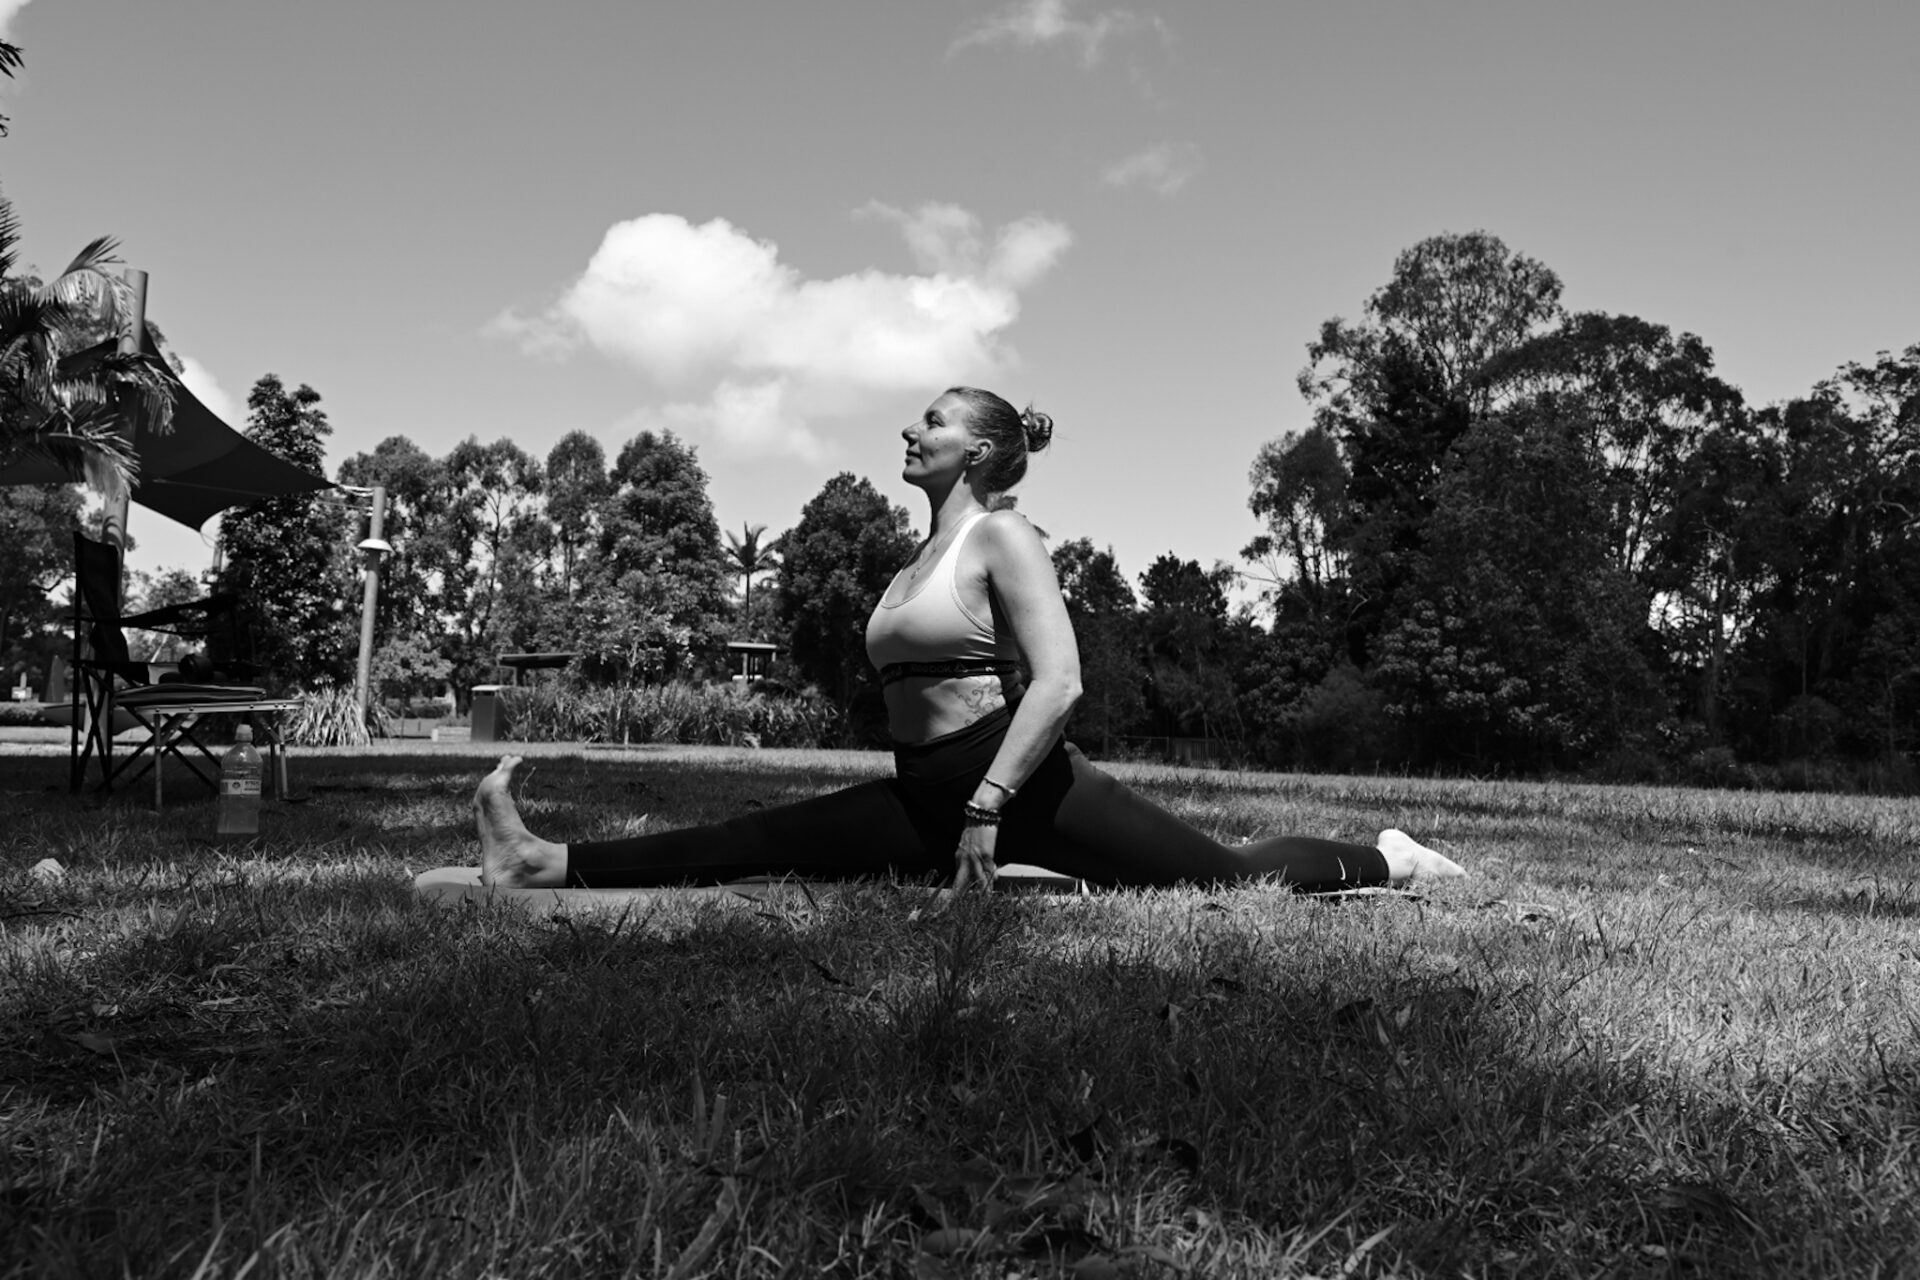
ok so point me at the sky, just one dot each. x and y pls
(780, 229)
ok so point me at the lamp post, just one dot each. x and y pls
(373, 551)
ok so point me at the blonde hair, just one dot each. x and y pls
(1013, 433)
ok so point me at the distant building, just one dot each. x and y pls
(749, 660)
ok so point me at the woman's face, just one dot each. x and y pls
(938, 442)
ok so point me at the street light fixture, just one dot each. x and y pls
(373, 550)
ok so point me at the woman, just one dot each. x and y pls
(982, 773)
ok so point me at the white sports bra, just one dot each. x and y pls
(933, 633)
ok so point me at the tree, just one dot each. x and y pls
(577, 488)
(836, 564)
(1455, 304)
(1300, 492)
(656, 604)
(428, 561)
(1184, 628)
(492, 508)
(1397, 389)
(62, 393)
(1714, 557)
(36, 528)
(1519, 641)
(1106, 625)
(287, 559)
(1643, 398)
(747, 556)
(1843, 580)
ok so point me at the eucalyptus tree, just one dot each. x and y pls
(577, 488)
(496, 522)
(1394, 391)
(1641, 397)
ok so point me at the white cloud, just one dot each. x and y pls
(208, 391)
(9, 10)
(1031, 24)
(1164, 168)
(752, 352)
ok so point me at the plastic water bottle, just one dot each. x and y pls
(240, 786)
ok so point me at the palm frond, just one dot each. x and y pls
(9, 239)
(9, 63)
(26, 317)
(74, 407)
(101, 252)
(86, 446)
(88, 289)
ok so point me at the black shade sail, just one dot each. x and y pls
(193, 472)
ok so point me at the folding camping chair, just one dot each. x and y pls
(112, 694)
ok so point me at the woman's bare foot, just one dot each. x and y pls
(510, 855)
(1408, 859)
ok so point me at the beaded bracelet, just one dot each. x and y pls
(1000, 787)
(980, 815)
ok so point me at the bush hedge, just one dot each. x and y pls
(21, 713)
(420, 709)
(687, 714)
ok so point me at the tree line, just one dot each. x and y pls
(1511, 539)
(1516, 539)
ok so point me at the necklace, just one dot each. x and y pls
(922, 558)
(925, 554)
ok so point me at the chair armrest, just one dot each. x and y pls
(134, 673)
(186, 611)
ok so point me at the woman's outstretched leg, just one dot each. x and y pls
(1088, 824)
(858, 831)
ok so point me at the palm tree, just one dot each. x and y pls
(747, 556)
(64, 391)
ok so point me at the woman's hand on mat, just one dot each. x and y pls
(973, 862)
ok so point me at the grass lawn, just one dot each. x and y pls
(1658, 1032)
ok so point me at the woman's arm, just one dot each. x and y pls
(1022, 584)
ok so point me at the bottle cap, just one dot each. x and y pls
(243, 734)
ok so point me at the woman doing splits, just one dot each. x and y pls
(982, 773)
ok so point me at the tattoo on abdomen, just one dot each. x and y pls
(982, 695)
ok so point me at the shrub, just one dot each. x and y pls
(21, 713)
(689, 714)
(330, 716)
(1343, 726)
(1715, 767)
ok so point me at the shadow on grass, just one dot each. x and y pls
(344, 1081)
(369, 796)
(1223, 1077)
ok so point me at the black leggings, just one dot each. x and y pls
(1070, 817)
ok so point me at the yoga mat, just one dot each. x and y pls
(451, 886)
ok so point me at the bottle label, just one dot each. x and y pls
(240, 786)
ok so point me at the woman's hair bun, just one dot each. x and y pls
(1039, 428)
